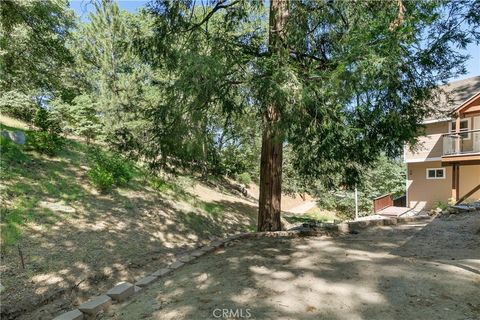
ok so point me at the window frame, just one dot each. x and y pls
(436, 177)
(468, 120)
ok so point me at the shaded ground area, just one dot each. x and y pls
(76, 242)
(416, 271)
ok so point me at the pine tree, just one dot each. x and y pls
(85, 120)
(113, 75)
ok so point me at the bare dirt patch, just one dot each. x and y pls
(416, 271)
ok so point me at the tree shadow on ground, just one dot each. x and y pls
(105, 238)
(452, 241)
(451, 238)
(349, 277)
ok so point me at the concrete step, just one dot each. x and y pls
(207, 248)
(161, 272)
(198, 253)
(71, 315)
(186, 258)
(217, 244)
(121, 291)
(94, 306)
(176, 265)
(145, 281)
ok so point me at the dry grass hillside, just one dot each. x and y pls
(75, 241)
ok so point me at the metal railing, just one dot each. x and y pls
(461, 143)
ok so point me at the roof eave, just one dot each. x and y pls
(465, 103)
(429, 121)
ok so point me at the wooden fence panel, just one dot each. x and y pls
(382, 202)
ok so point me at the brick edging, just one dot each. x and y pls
(125, 290)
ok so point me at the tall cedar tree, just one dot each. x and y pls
(341, 82)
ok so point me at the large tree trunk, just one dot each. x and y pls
(269, 207)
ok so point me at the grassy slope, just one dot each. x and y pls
(69, 233)
(314, 215)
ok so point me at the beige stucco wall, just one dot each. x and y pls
(469, 178)
(430, 145)
(424, 193)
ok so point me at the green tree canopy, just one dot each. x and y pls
(33, 52)
(342, 82)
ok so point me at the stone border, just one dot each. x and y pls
(125, 290)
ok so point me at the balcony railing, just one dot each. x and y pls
(464, 142)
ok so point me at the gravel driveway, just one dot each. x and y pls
(425, 270)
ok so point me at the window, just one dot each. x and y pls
(436, 173)
(464, 126)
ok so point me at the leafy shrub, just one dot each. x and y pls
(343, 203)
(451, 201)
(47, 139)
(101, 178)
(244, 178)
(11, 152)
(160, 184)
(45, 121)
(45, 142)
(440, 204)
(108, 170)
(14, 218)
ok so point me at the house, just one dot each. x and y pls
(445, 166)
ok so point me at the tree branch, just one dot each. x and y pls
(218, 6)
(401, 16)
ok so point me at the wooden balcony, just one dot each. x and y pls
(462, 147)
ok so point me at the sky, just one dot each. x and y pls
(82, 7)
(473, 64)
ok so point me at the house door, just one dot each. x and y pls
(476, 135)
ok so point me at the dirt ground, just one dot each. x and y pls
(428, 270)
(76, 242)
(79, 257)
